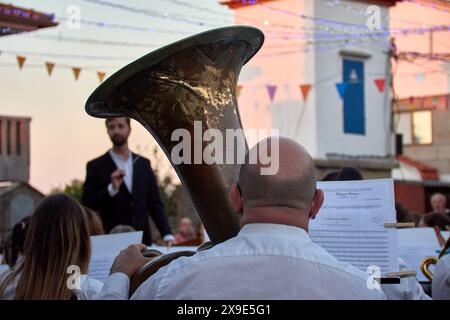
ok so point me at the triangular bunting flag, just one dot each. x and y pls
(341, 87)
(304, 88)
(271, 89)
(238, 90)
(21, 61)
(76, 72)
(380, 84)
(101, 75)
(49, 66)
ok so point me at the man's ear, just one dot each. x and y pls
(236, 199)
(316, 203)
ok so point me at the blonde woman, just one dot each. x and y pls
(56, 247)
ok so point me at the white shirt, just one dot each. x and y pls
(441, 279)
(10, 290)
(408, 289)
(90, 288)
(264, 261)
(4, 268)
(127, 167)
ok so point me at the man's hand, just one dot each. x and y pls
(117, 179)
(130, 260)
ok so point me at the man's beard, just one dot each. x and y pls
(118, 141)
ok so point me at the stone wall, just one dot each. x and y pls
(436, 154)
(14, 148)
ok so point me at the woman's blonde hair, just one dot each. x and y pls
(58, 238)
(95, 223)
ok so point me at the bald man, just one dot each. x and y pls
(439, 204)
(272, 257)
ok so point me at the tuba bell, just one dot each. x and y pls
(194, 79)
(190, 81)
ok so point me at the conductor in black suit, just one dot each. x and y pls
(122, 187)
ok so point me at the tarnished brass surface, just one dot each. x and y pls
(425, 266)
(191, 80)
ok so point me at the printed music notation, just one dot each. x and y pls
(359, 248)
(358, 195)
(350, 224)
(99, 267)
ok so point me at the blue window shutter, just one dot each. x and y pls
(354, 113)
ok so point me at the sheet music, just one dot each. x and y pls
(350, 224)
(100, 266)
(414, 245)
(105, 248)
(357, 195)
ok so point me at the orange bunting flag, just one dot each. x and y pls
(238, 90)
(49, 66)
(76, 72)
(304, 88)
(380, 84)
(21, 61)
(101, 76)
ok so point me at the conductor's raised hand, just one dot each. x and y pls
(117, 178)
(130, 260)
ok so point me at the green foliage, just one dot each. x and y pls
(74, 189)
(169, 196)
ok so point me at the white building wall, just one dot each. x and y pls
(287, 112)
(330, 117)
(318, 123)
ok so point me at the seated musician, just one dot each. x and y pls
(185, 231)
(272, 257)
(58, 238)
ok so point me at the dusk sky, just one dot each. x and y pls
(63, 136)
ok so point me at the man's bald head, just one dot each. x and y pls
(293, 185)
(439, 202)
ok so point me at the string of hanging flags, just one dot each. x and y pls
(49, 66)
(305, 89)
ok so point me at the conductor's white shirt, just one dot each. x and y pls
(264, 261)
(127, 167)
(441, 279)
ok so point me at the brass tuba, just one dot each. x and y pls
(425, 266)
(194, 79)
